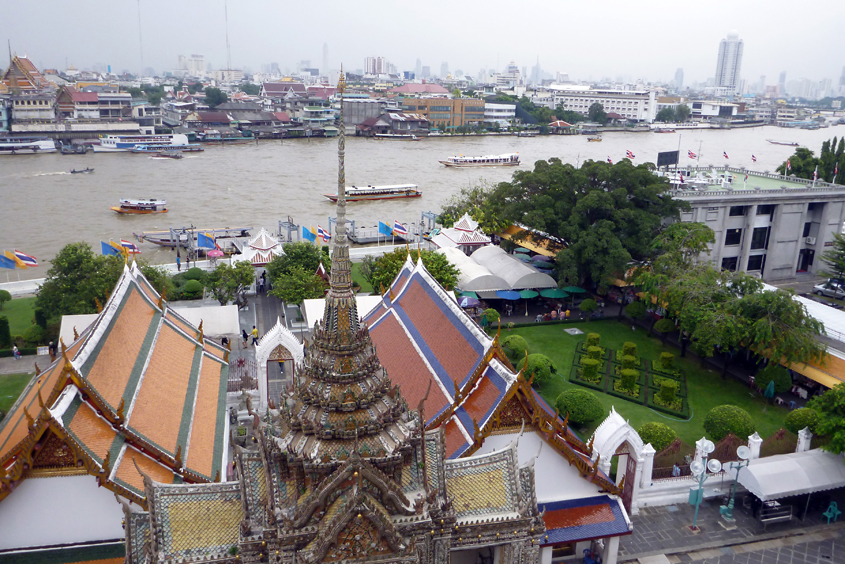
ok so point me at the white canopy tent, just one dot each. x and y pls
(473, 277)
(515, 272)
(797, 473)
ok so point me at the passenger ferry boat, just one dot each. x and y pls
(125, 143)
(26, 145)
(356, 194)
(664, 130)
(144, 206)
(508, 159)
(154, 148)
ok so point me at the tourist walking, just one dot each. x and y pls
(178, 261)
(254, 335)
(16, 352)
(246, 338)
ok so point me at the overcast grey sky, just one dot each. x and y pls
(588, 40)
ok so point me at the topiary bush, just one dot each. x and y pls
(777, 374)
(593, 339)
(5, 334)
(515, 347)
(581, 405)
(668, 391)
(5, 296)
(193, 289)
(658, 434)
(491, 315)
(34, 335)
(629, 378)
(194, 273)
(667, 361)
(588, 306)
(594, 353)
(590, 371)
(629, 362)
(540, 366)
(629, 349)
(802, 417)
(724, 419)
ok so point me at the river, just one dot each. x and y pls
(45, 207)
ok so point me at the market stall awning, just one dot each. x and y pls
(797, 473)
(828, 373)
(546, 246)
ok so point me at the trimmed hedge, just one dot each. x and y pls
(600, 385)
(654, 383)
(658, 434)
(802, 417)
(629, 378)
(26, 351)
(667, 361)
(774, 373)
(593, 339)
(639, 398)
(581, 405)
(515, 347)
(594, 353)
(584, 349)
(629, 362)
(194, 273)
(668, 390)
(724, 419)
(541, 366)
(629, 349)
(684, 413)
(591, 368)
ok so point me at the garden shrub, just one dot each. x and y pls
(802, 417)
(193, 289)
(34, 335)
(724, 419)
(194, 273)
(491, 315)
(629, 362)
(540, 366)
(629, 349)
(5, 333)
(515, 347)
(594, 353)
(591, 369)
(777, 374)
(664, 326)
(588, 306)
(658, 434)
(5, 296)
(667, 361)
(581, 405)
(593, 339)
(629, 378)
(668, 391)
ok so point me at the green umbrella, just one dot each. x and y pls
(522, 250)
(574, 290)
(523, 258)
(770, 390)
(553, 293)
(468, 295)
(525, 294)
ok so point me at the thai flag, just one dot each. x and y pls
(130, 247)
(746, 177)
(815, 177)
(753, 159)
(835, 173)
(323, 234)
(788, 165)
(399, 229)
(629, 155)
(609, 161)
(725, 153)
(691, 154)
(26, 259)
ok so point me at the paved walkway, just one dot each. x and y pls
(665, 531)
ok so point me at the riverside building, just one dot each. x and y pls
(769, 225)
(633, 105)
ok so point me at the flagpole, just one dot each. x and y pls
(698, 156)
(679, 152)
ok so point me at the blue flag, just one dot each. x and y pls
(6, 262)
(308, 235)
(108, 250)
(205, 242)
(385, 229)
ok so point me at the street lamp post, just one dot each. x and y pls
(699, 470)
(744, 454)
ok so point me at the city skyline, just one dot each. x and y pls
(647, 46)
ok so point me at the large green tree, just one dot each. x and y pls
(298, 285)
(300, 254)
(226, 283)
(835, 256)
(665, 115)
(682, 112)
(381, 272)
(214, 97)
(249, 88)
(597, 113)
(830, 407)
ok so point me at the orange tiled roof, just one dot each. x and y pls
(483, 397)
(128, 474)
(92, 431)
(455, 439)
(201, 459)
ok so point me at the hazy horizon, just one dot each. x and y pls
(577, 39)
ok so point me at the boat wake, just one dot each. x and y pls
(50, 173)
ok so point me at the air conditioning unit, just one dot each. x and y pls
(811, 240)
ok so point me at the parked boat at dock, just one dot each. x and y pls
(168, 155)
(26, 145)
(141, 206)
(125, 143)
(508, 159)
(181, 236)
(664, 130)
(356, 194)
(158, 147)
(405, 136)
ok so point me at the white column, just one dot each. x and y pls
(637, 477)
(648, 453)
(611, 550)
(805, 437)
(754, 442)
(604, 466)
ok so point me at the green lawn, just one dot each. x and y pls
(356, 276)
(11, 386)
(706, 389)
(20, 313)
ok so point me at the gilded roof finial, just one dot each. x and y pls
(75, 334)
(341, 82)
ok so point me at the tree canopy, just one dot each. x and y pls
(835, 256)
(249, 88)
(381, 272)
(830, 408)
(214, 97)
(596, 113)
(297, 285)
(300, 254)
(226, 282)
(803, 162)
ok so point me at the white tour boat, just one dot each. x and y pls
(26, 145)
(126, 143)
(356, 194)
(508, 159)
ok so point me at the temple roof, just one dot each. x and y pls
(261, 249)
(140, 384)
(23, 74)
(584, 518)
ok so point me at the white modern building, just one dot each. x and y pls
(706, 109)
(729, 62)
(503, 114)
(635, 105)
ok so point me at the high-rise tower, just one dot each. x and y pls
(729, 62)
(679, 79)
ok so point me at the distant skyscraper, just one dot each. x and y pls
(325, 69)
(842, 78)
(782, 79)
(376, 65)
(729, 62)
(425, 72)
(418, 69)
(444, 69)
(679, 79)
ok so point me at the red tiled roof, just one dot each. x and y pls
(78, 96)
(282, 116)
(405, 367)
(482, 398)
(283, 87)
(455, 439)
(214, 117)
(578, 516)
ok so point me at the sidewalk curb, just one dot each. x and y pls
(720, 544)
